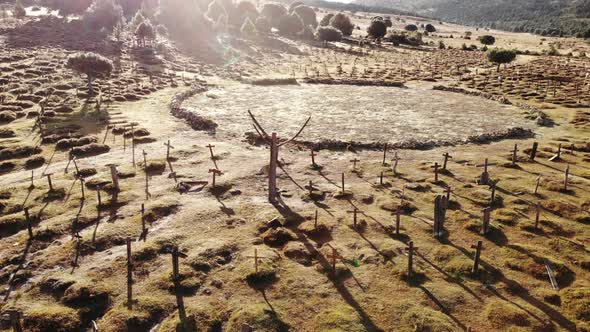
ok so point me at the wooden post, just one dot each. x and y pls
(448, 191)
(32, 179)
(143, 229)
(76, 166)
(484, 178)
(533, 154)
(410, 248)
(211, 150)
(384, 154)
(28, 220)
(343, 190)
(398, 217)
(176, 279)
(566, 178)
(82, 187)
(272, 171)
(537, 185)
(514, 156)
(395, 161)
(129, 276)
(493, 188)
(447, 157)
(355, 213)
(115, 177)
(486, 221)
(133, 143)
(310, 187)
(354, 162)
(147, 178)
(557, 156)
(315, 222)
(98, 196)
(313, 154)
(381, 178)
(537, 215)
(440, 210)
(168, 147)
(215, 172)
(15, 321)
(49, 181)
(477, 248)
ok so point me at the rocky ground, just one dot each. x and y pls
(73, 272)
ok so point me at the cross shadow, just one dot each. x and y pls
(21, 264)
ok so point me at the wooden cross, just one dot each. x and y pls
(485, 176)
(143, 228)
(440, 210)
(168, 147)
(343, 190)
(514, 151)
(477, 248)
(48, 175)
(313, 154)
(436, 167)
(211, 150)
(486, 220)
(448, 191)
(355, 213)
(216, 173)
(537, 184)
(354, 162)
(315, 220)
(133, 143)
(333, 257)
(129, 276)
(384, 154)
(310, 188)
(493, 188)
(447, 156)
(410, 249)
(395, 161)
(256, 259)
(82, 187)
(15, 320)
(32, 180)
(381, 178)
(398, 217)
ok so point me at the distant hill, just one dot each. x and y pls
(547, 17)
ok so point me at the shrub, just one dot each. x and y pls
(326, 20)
(91, 64)
(137, 20)
(290, 25)
(342, 22)
(145, 31)
(430, 28)
(377, 29)
(500, 56)
(262, 25)
(19, 9)
(307, 14)
(487, 40)
(328, 34)
(103, 14)
(411, 27)
(273, 12)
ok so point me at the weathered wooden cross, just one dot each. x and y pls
(566, 177)
(129, 276)
(477, 248)
(537, 215)
(275, 143)
(355, 213)
(313, 154)
(48, 175)
(354, 162)
(394, 162)
(114, 176)
(533, 154)
(168, 147)
(514, 156)
(334, 257)
(410, 249)
(215, 173)
(28, 220)
(384, 154)
(256, 259)
(211, 150)
(447, 156)
(486, 221)
(436, 167)
(440, 210)
(484, 178)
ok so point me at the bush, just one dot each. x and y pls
(377, 29)
(273, 12)
(262, 25)
(430, 28)
(411, 27)
(103, 14)
(342, 22)
(307, 14)
(91, 64)
(145, 31)
(500, 56)
(328, 34)
(487, 40)
(137, 20)
(290, 25)
(19, 9)
(326, 20)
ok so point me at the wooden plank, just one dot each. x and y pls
(550, 273)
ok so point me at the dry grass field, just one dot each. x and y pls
(92, 176)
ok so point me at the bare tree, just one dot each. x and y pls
(275, 143)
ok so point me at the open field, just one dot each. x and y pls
(86, 176)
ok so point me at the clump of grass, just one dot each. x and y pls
(391, 205)
(421, 318)
(259, 316)
(502, 315)
(146, 312)
(19, 152)
(340, 318)
(154, 166)
(576, 305)
(51, 317)
(35, 162)
(90, 150)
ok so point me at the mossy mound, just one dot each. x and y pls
(52, 318)
(258, 316)
(146, 312)
(421, 318)
(339, 319)
(505, 316)
(201, 316)
(576, 305)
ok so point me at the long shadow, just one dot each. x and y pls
(291, 178)
(23, 259)
(369, 325)
(442, 307)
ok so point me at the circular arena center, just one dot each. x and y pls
(366, 114)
